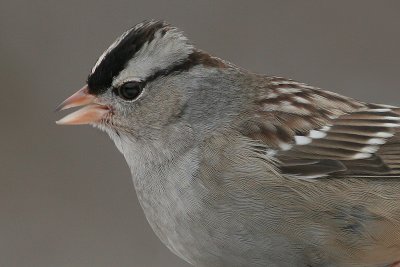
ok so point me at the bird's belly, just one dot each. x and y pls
(198, 228)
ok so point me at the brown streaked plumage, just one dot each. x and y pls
(305, 123)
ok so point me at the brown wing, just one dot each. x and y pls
(314, 133)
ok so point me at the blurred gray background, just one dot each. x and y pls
(66, 196)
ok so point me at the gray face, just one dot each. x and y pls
(135, 76)
(158, 105)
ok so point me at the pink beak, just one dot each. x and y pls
(90, 113)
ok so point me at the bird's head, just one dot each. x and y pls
(146, 80)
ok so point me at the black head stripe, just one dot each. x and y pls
(117, 59)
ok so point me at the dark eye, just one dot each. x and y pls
(129, 90)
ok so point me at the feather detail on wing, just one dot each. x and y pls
(314, 133)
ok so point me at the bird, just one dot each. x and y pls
(234, 168)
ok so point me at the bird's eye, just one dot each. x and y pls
(129, 90)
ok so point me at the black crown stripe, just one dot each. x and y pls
(117, 59)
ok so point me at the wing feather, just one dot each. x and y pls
(315, 133)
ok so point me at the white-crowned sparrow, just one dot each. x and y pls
(238, 169)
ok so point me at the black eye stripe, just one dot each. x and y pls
(194, 59)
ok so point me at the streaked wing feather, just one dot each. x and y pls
(315, 133)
